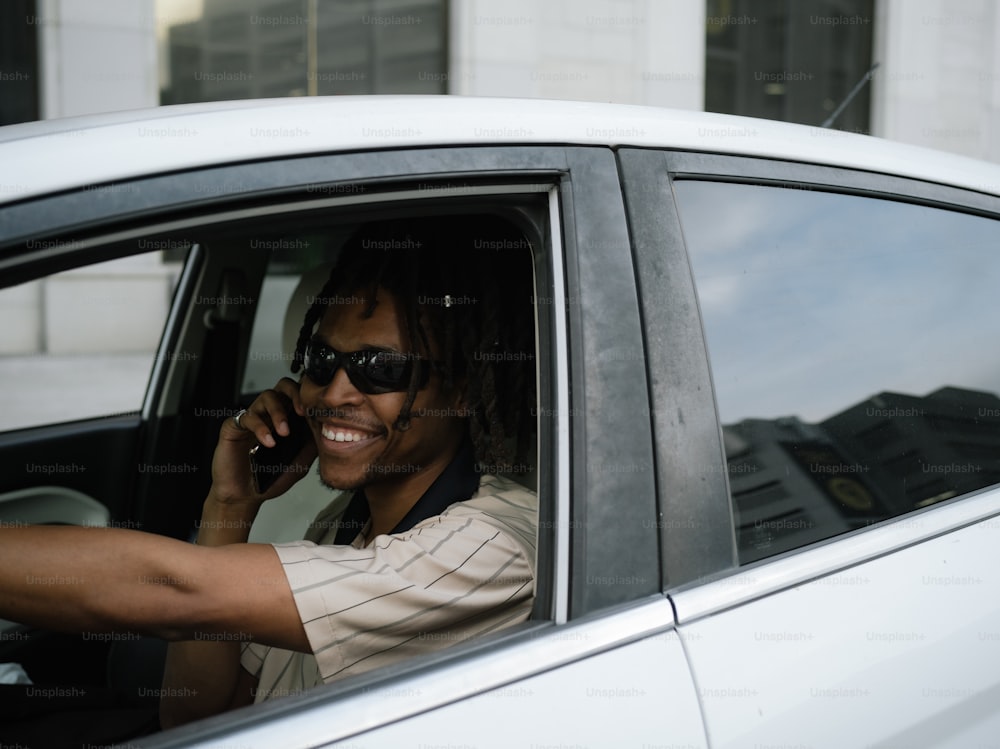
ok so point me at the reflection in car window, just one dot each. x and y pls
(851, 348)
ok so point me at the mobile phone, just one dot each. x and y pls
(268, 463)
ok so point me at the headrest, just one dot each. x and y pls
(302, 299)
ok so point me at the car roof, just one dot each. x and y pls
(63, 154)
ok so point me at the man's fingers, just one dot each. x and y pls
(279, 406)
(267, 417)
(250, 424)
(290, 389)
(267, 421)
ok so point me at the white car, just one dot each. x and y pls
(768, 431)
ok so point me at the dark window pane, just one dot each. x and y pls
(851, 349)
(18, 61)
(792, 61)
(293, 47)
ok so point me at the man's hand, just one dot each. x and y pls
(264, 423)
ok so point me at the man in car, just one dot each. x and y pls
(417, 374)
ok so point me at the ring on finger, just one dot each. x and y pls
(236, 420)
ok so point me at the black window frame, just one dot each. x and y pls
(612, 546)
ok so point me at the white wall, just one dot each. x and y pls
(939, 81)
(624, 51)
(119, 306)
(96, 56)
(22, 305)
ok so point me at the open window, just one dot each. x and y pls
(298, 252)
(234, 292)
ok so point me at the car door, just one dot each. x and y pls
(117, 290)
(90, 326)
(82, 344)
(599, 614)
(848, 449)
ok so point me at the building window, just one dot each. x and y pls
(18, 61)
(790, 60)
(273, 48)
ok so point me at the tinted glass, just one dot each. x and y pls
(19, 71)
(239, 49)
(792, 61)
(852, 350)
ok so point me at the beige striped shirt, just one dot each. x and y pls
(463, 573)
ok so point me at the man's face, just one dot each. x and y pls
(356, 440)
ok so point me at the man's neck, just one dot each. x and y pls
(389, 502)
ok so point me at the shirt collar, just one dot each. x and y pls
(457, 482)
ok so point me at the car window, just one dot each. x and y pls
(850, 340)
(81, 344)
(297, 260)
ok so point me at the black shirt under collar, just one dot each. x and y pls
(457, 482)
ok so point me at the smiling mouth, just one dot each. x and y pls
(339, 434)
(345, 436)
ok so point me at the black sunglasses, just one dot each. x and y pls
(372, 371)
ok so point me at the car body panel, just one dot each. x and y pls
(901, 650)
(577, 654)
(610, 697)
(102, 149)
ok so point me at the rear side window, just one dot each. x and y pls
(853, 344)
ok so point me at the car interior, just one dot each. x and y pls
(242, 289)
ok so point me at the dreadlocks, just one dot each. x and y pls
(465, 283)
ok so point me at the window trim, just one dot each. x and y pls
(614, 471)
(798, 175)
(694, 521)
(795, 567)
(560, 371)
(164, 367)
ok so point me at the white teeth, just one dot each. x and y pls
(340, 436)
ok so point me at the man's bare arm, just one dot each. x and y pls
(115, 580)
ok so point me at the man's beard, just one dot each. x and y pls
(375, 472)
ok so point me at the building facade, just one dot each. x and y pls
(917, 71)
(936, 84)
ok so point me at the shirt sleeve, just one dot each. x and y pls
(252, 657)
(445, 580)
